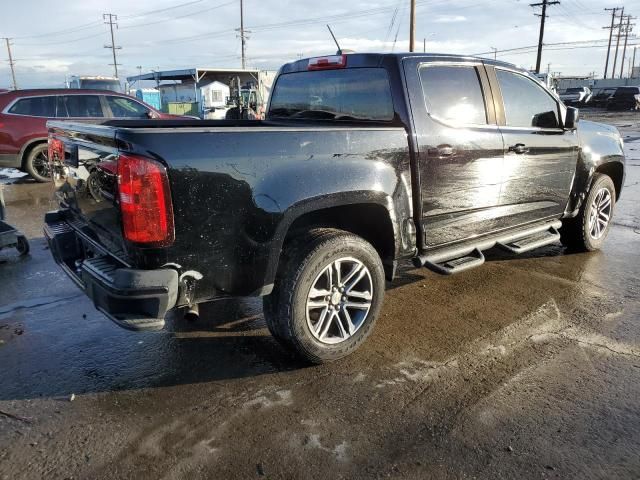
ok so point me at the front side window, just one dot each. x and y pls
(79, 106)
(125, 108)
(35, 107)
(342, 94)
(526, 103)
(454, 94)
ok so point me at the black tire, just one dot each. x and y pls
(576, 233)
(303, 263)
(35, 163)
(23, 245)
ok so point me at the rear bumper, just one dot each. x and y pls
(133, 299)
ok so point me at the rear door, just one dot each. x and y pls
(460, 153)
(79, 106)
(540, 156)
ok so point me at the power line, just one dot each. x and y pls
(160, 10)
(179, 16)
(544, 4)
(615, 57)
(112, 20)
(11, 63)
(243, 36)
(627, 31)
(611, 27)
(412, 26)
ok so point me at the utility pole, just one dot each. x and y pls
(495, 52)
(627, 31)
(11, 63)
(243, 36)
(424, 45)
(613, 19)
(544, 4)
(112, 20)
(633, 63)
(615, 58)
(412, 27)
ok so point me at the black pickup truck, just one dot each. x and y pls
(363, 161)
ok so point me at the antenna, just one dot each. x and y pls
(334, 39)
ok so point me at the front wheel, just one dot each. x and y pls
(37, 163)
(588, 230)
(327, 295)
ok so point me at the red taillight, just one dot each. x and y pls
(327, 63)
(55, 149)
(145, 201)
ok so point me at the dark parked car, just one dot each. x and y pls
(24, 115)
(601, 96)
(363, 161)
(576, 96)
(625, 98)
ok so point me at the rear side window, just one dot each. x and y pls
(79, 106)
(526, 103)
(126, 108)
(453, 94)
(35, 106)
(342, 94)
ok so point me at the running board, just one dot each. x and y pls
(457, 265)
(464, 256)
(536, 240)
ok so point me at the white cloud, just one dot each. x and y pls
(450, 19)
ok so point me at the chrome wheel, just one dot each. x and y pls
(339, 300)
(40, 164)
(600, 213)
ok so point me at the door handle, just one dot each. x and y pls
(445, 150)
(519, 148)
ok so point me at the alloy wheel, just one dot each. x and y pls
(339, 300)
(600, 213)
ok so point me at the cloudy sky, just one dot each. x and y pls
(67, 37)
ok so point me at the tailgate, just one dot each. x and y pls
(85, 180)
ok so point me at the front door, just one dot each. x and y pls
(460, 149)
(540, 156)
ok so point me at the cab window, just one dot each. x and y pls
(453, 94)
(35, 107)
(526, 103)
(126, 108)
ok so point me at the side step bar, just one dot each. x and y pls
(531, 242)
(459, 258)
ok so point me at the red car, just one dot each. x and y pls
(24, 115)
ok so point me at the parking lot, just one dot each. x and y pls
(527, 367)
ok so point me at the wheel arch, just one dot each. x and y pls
(367, 214)
(615, 171)
(27, 147)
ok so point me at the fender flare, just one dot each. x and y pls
(27, 146)
(311, 205)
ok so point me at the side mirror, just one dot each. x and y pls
(571, 119)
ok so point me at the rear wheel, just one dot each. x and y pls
(23, 245)
(588, 230)
(327, 295)
(37, 163)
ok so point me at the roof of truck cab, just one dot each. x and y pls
(375, 59)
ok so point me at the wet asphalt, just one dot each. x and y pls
(527, 367)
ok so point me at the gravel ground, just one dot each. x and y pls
(527, 367)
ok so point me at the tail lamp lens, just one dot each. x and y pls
(55, 149)
(145, 201)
